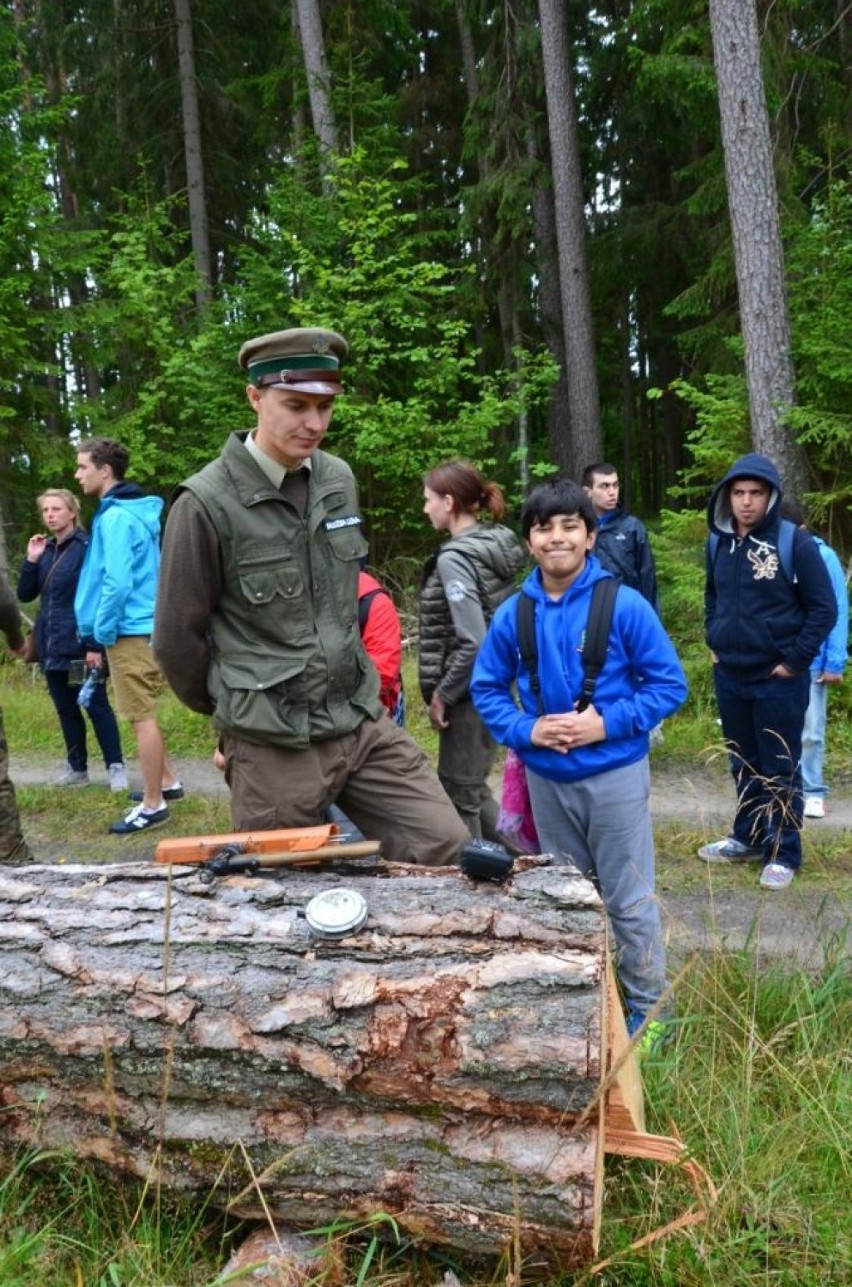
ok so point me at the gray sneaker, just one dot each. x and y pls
(72, 777)
(117, 778)
(776, 876)
(729, 850)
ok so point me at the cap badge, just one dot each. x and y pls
(321, 344)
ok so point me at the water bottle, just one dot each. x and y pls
(87, 690)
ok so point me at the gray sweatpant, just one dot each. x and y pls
(603, 826)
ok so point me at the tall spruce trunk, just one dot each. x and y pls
(580, 361)
(194, 154)
(318, 76)
(755, 225)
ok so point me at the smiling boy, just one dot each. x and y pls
(587, 771)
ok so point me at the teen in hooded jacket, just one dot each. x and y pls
(588, 774)
(764, 626)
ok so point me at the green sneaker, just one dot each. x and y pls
(655, 1037)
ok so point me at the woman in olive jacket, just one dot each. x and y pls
(462, 584)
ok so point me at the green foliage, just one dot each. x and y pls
(351, 259)
(160, 376)
(31, 244)
(819, 262)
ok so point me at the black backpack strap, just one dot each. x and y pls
(597, 636)
(364, 605)
(527, 646)
(594, 645)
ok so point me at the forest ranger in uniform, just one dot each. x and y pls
(257, 620)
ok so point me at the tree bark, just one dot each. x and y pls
(755, 225)
(319, 80)
(433, 1066)
(194, 154)
(566, 166)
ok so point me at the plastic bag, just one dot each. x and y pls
(515, 819)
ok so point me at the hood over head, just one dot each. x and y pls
(752, 465)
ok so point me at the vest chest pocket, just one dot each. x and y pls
(348, 544)
(261, 582)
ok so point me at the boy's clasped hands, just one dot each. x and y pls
(567, 731)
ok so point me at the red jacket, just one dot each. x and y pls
(382, 636)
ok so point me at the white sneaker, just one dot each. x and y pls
(72, 778)
(776, 876)
(814, 806)
(117, 778)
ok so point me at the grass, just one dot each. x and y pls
(757, 1083)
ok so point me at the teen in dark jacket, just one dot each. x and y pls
(765, 623)
(51, 570)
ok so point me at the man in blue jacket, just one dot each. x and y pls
(826, 669)
(765, 623)
(114, 606)
(587, 771)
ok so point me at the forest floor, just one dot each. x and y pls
(705, 907)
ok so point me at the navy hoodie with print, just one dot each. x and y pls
(756, 617)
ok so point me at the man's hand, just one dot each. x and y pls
(94, 659)
(438, 713)
(829, 677)
(783, 672)
(565, 733)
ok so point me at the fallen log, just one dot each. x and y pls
(442, 1064)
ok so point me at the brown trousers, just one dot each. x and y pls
(13, 847)
(466, 756)
(378, 775)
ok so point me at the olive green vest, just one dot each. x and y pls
(287, 663)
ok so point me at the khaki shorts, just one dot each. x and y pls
(136, 678)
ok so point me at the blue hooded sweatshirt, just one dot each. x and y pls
(641, 681)
(756, 618)
(118, 581)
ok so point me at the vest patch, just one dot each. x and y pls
(334, 524)
(455, 591)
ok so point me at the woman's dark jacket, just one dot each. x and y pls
(57, 641)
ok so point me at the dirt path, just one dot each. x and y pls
(703, 907)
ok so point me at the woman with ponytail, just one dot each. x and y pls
(463, 582)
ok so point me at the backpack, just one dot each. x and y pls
(786, 539)
(397, 714)
(594, 646)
